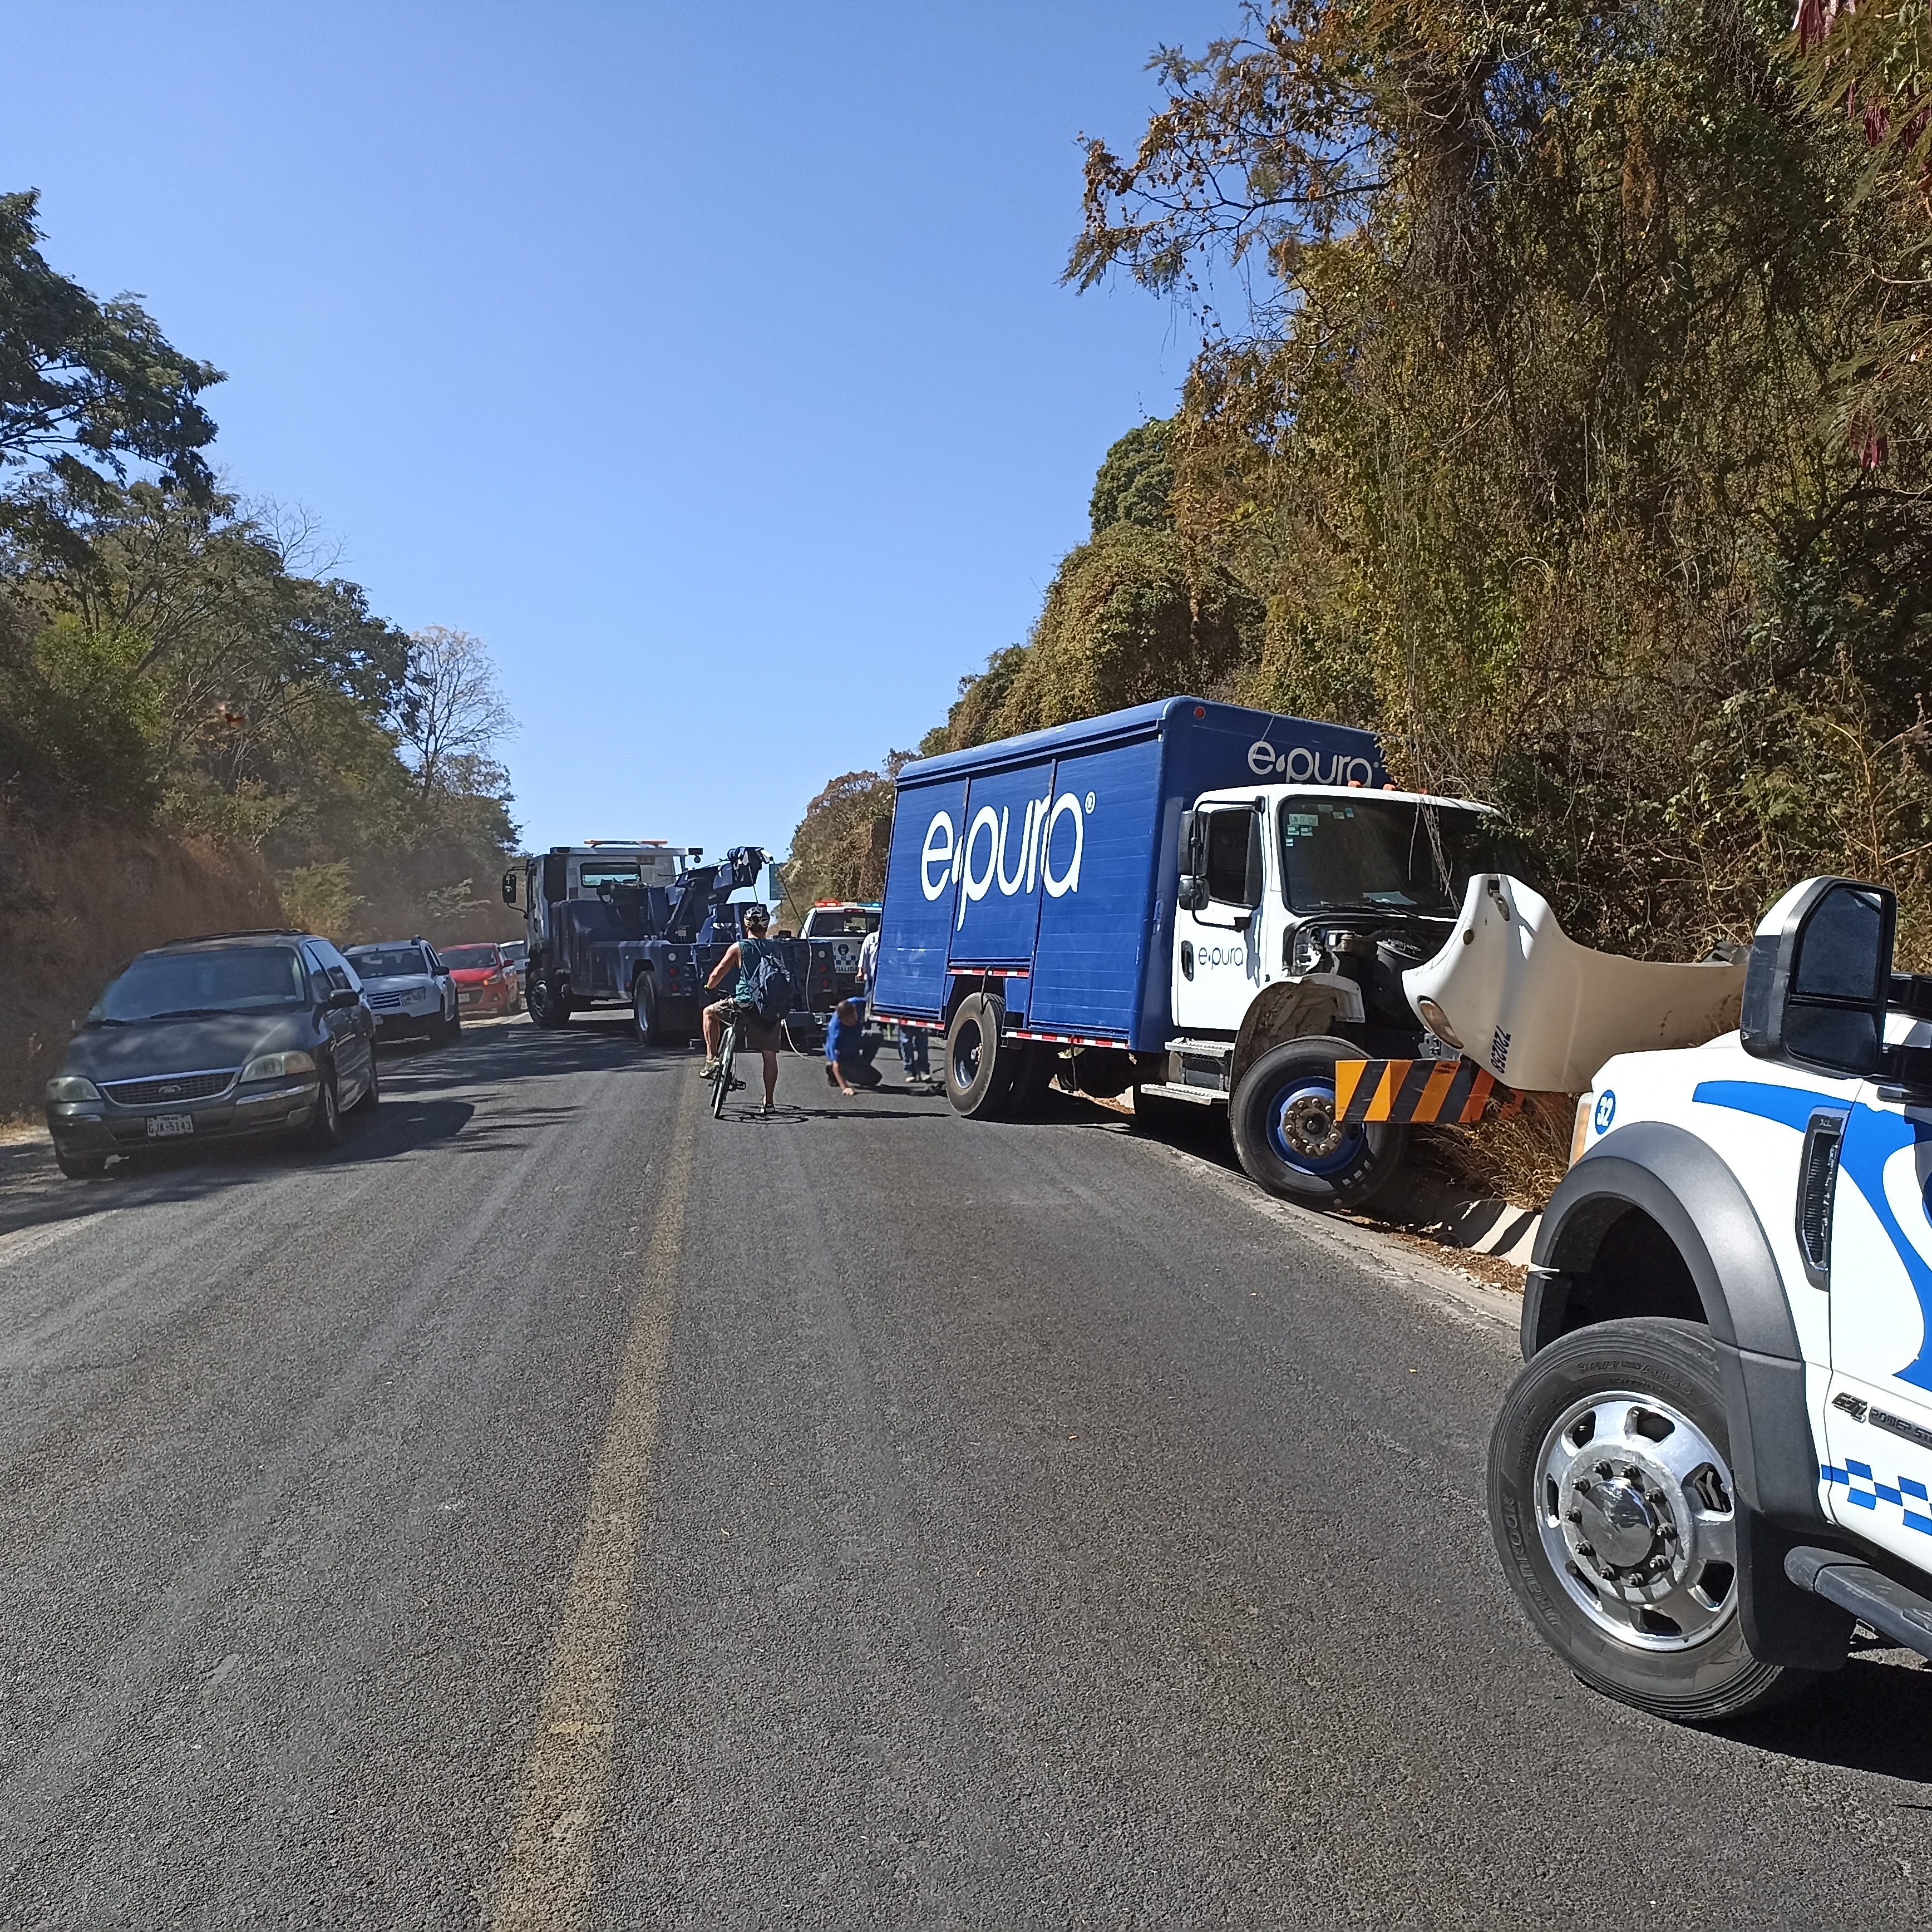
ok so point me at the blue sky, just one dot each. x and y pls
(709, 363)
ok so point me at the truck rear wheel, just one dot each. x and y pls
(645, 1009)
(1616, 1514)
(980, 1065)
(1282, 1114)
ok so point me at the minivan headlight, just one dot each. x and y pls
(278, 1066)
(72, 1087)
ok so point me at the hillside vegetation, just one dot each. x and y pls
(1560, 413)
(193, 703)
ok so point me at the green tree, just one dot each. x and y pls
(88, 386)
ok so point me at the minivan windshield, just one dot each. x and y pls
(1373, 855)
(250, 979)
(388, 962)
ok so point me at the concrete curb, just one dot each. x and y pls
(1451, 1216)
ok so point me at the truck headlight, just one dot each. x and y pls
(1586, 1108)
(71, 1087)
(278, 1066)
(1437, 1021)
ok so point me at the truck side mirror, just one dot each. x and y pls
(1193, 893)
(1820, 976)
(510, 887)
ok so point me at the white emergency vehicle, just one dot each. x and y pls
(1719, 1454)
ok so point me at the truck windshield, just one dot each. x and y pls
(247, 980)
(1373, 855)
(854, 924)
(606, 872)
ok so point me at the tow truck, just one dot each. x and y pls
(614, 923)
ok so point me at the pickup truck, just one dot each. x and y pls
(1718, 1455)
(1209, 904)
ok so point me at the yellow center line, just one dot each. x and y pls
(548, 1872)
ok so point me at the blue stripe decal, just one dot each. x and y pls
(1872, 1137)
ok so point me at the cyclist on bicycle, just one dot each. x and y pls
(738, 1010)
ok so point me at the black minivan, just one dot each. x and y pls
(239, 1033)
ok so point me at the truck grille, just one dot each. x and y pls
(169, 1086)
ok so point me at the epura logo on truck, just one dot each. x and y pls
(947, 860)
(979, 859)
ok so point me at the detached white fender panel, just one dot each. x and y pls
(1544, 1013)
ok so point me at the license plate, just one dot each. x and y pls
(162, 1126)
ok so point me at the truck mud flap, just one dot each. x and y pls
(1426, 1092)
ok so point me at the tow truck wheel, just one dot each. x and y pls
(1283, 1116)
(548, 1007)
(644, 1009)
(1615, 1512)
(980, 1065)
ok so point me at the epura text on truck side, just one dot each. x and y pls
(1719, 1453)
(1207, 904)
(612, 924)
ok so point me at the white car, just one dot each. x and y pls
(408, 990)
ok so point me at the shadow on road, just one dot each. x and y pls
(1874, 1715)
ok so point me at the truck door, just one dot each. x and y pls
(1217, 953)
(1878, 1252)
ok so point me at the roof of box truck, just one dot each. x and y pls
(1142, 720)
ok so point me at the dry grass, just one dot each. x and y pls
(77, 900)
(1518, 1160)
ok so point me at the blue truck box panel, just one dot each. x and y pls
(1053, 855)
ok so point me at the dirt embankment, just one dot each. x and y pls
(79, 899)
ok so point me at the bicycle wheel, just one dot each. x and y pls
(727, 1047)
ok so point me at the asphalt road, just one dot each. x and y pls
(557, 1508)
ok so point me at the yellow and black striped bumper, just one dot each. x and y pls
(1425, 1091)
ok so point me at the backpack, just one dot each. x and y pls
(772, 994)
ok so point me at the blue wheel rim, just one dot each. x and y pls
(1310, 1087)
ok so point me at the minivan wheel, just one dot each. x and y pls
(324, 1130)
(1616, 1514)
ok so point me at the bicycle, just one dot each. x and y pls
(722, 1083)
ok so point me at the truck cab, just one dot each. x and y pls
(1719, 1453)
(1336, 889)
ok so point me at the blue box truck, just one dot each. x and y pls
(1207, 904)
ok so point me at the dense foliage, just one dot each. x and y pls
(169, 655)
(1561, 411)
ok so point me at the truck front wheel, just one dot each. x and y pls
(980, 1065)
(1616, 1514)
(1288, 1138)
(550, 1006)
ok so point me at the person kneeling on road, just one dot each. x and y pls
(846, 1058)
(745, 958)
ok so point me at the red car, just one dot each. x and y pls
(486, 982)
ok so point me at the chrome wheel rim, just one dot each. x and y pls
(1637, 1510)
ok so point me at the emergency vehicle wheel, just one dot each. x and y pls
(980, 1065)
(1282, 1114)
(1615, 1512)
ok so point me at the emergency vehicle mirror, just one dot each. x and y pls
(1820, 972)
(510, 888)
